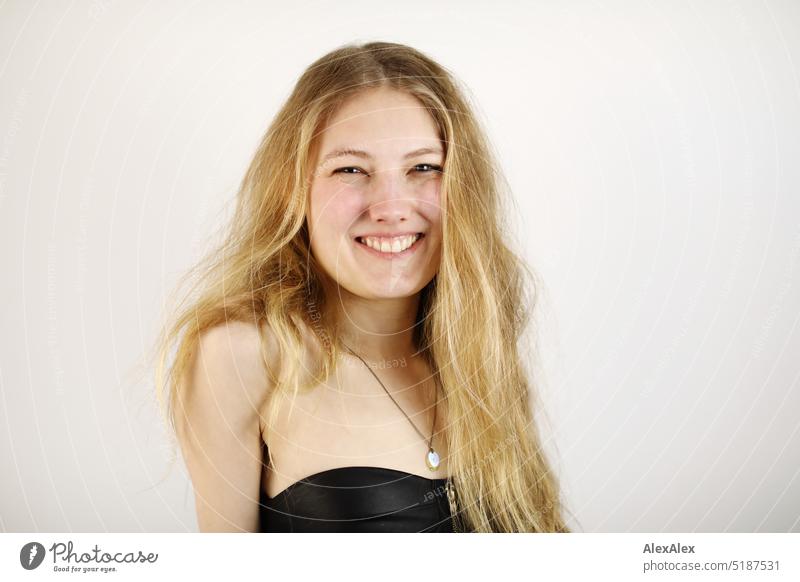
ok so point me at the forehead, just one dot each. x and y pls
(380, 119)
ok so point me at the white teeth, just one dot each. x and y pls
(390, 245)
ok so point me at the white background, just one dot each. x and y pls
(652, 150)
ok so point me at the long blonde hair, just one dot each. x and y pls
(471, 316)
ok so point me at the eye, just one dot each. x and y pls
(347, 171)
(431, 168)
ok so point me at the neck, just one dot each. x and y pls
(378, 329)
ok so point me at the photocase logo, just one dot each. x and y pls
(31, 555)
(66, 559)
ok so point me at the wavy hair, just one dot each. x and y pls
(472, 315)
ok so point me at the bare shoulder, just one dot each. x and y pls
(241, 351)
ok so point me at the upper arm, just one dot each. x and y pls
(218, 426)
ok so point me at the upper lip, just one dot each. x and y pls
(389, 234)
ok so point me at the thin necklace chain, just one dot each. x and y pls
(435, 406)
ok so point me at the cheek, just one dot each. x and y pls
(430, 199)
(332, 213)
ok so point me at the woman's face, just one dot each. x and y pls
(374, 190)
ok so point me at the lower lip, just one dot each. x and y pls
(390, 256)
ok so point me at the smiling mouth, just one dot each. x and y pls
(391, 248)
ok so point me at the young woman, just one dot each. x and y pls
(351, 360)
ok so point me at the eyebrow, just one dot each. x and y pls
(362, 154)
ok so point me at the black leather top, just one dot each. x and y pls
(358, 499)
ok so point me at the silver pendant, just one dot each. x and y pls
(432, 460)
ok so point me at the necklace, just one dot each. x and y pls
(432, 458)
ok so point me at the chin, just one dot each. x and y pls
(399, 290)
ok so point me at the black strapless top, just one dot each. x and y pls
(358, 499)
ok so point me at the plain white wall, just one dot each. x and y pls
(652, 148)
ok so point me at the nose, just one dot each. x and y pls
(391, 199)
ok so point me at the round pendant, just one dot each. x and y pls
(432, 460)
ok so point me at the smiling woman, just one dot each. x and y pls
(367, 231)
